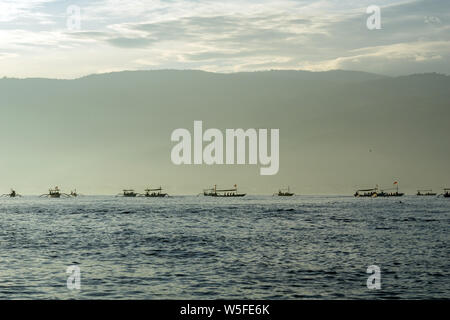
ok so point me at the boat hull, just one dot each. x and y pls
(381, 195)
(387, 195)
(159, 195)
(225, 196)
(372, 195)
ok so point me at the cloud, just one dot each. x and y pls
(397, 58)
(6, 55)
(124, 42)
(11, 10)
(236, 35)
(432, 20)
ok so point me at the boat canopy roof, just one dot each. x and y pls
(372, 189)
(222, 190)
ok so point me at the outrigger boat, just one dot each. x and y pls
(382, 193)
(366, 192)
(428, 192)
(447, 193)
(389, 194)
(55, 193)
(128, 193)
(284, 193)
(154, 193)
(375, 193)
(214, 192)
(12, 194)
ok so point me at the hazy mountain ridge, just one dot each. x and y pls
(113, 130)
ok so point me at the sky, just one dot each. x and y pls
(78, 133)
(338, 131)
(40, 38)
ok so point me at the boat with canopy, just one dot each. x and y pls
(214, 192)
(154, 193)
(284, 192)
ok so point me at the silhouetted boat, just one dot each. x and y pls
(372, 192)
(154, 193)
(12, 194)
(129, 193)
(55, 193)
(284, 193)
(389, 194)
(447, 193)
(428, 192)
(395, 193)
(214, 192)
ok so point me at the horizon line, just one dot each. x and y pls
(5, 77)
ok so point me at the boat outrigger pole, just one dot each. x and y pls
(12, 194)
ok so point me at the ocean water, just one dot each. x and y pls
(195, 247)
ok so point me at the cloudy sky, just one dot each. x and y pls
(40, 38)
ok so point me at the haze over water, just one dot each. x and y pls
(256, 247)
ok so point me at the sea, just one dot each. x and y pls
(196, 247)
